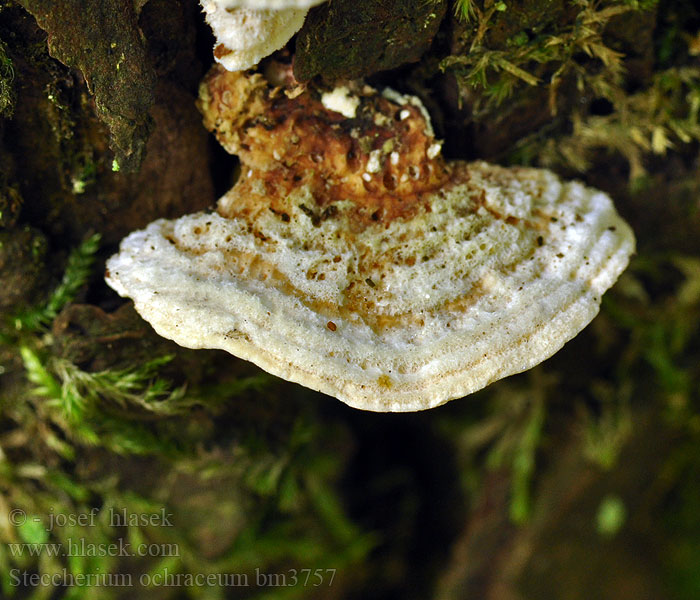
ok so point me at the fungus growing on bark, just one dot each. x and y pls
(351, 258)
(249, 30)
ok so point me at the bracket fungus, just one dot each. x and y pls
(249, 30)
(352, 258)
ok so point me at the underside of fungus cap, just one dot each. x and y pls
(248, 30)
(351, 258)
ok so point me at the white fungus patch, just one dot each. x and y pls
(433, 150)
(342, 101)
(247, 31)
(374, 164)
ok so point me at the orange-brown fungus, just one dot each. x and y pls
(384, 160)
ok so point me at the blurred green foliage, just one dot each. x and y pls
(278, 497)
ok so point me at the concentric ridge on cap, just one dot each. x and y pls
(489, 282)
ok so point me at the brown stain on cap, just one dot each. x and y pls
(384, 160)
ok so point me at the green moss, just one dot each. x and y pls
(659, 117)
(271, 481)
(85, 175)
(501, 55)
(507, 437)
(611, 515)
(78, 269)
(464, 9)
(7, 76)
(277, 503)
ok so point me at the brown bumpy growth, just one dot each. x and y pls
(383, 160)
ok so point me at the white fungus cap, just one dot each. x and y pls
(351, 258)
(502, 269)
(248, 30)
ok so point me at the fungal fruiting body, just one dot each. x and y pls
(249, 30)
(351, 258)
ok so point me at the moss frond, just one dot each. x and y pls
(651, 121)
(137, 388)
(39, 375)
(535, 59)
(464, 9)
(78, 269)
